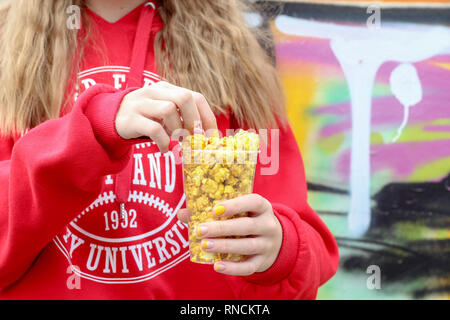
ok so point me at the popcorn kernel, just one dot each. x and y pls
(216, 169)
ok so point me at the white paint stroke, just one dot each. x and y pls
(406, 87)
(361, 51)
(253, 19)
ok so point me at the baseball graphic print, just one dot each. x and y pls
(147, 238)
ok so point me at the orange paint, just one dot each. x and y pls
(299, 83)
(442, 65)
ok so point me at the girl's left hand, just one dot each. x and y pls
(261, 234)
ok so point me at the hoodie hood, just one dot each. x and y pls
(144, 22)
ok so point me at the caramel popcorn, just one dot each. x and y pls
(216, 169)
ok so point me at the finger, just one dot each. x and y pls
(183, 98)
(252, 203)
(244, 246)
(207, 116)
(163, 111)
(154, 131)
(243, 268)
(245, 226)
(184, 215)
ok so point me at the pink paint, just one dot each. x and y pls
(315, 51)
(437, 128)
(432, 77)
(402, 159)
(445, 58)
(387, 111)
(319, 51)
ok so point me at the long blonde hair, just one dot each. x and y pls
(205, 45)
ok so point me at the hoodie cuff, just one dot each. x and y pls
(101, 112)
(285, 262)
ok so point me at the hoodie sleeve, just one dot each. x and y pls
(51, 173)
(309, 255)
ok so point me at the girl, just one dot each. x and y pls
(91, 192)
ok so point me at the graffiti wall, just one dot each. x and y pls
(368, 92)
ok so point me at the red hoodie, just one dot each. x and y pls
(61, 235)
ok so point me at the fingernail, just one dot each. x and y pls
(201, 230)
(207, 244)
(219, 210)
(219, 267)
(198, 128)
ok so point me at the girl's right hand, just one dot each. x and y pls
(154, 112)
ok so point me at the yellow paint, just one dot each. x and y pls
(441, 65)
(376, 138)
(439, 122)
(300, 86)
(331, 144)
(299, 83)
(432, 170)
(416, 133)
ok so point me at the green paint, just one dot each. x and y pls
(338, 91)
(440, 122)
(379, 179)
(331, 144)
(376, 138)
(410, 231)
(417, 133)
(381, 90)
(353, 285)
(431, 171)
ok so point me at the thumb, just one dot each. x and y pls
(184, 215)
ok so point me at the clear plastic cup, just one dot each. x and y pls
(211, 176)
